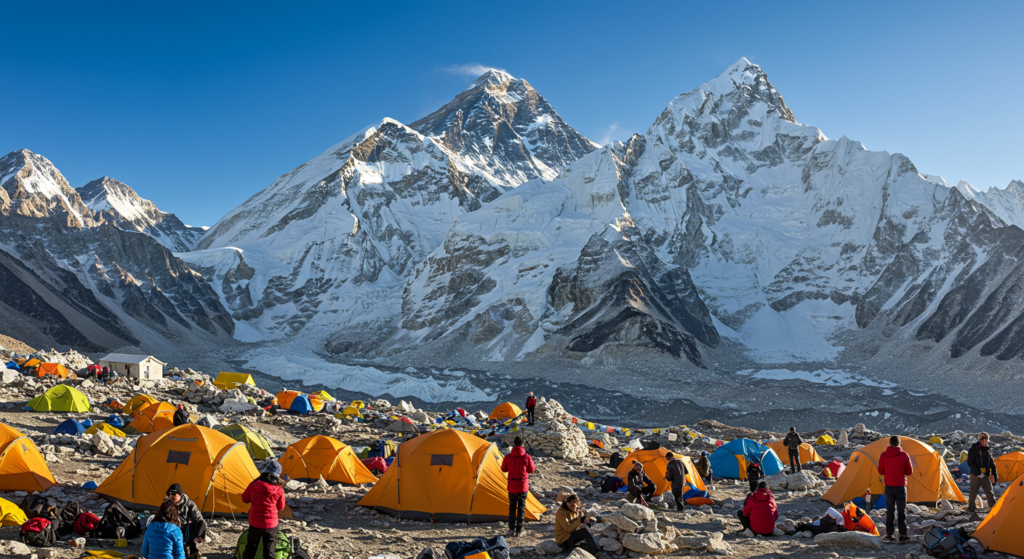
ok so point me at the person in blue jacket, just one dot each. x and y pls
(163, 538)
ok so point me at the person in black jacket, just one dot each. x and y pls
(983, 472)
(193, 526)
(180, 416)
(793, 442)
(639, 483)
(675, 472)
(754, 474)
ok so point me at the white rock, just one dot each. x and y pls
(621, 522)
(550, 547)
(610, 545)
(650, 544)
(14, 548)
(639, 513)
(851, 541)
(580, 553)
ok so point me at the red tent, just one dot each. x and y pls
(836, 467)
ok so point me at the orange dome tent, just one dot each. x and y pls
(1010, 466)
(655, 464)
(316, 456)
(505, 411)
(154, 417)
(285, 397)
(137, 403)
(22, 467)
(212, 468)
(446, 476)
(55, 369)
(930, 481)
(807, 452)
(1000, 531)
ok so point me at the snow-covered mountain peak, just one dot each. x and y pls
(35, 188)
(504, 127)
(493, 78)
(117, 203)
(968, 190)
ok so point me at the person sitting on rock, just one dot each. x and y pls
(572, 526)
(640, 485)
(759, 511)
(193, 526)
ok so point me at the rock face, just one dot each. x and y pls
(70, 278)
(553, 434)
(649, 543)
(335, 238)
(851, 541)
(118, 204)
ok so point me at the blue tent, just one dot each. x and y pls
(115, 421)
(12, 366)
(301, 404)
(70, 427)
(730, 460)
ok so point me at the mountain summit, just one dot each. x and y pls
(119, 204)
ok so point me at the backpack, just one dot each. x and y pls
(117, 516)
(941, 542)
(69, 513)
(86, 523)
(37, 506)
(38, 532)
(611, 484)
(287, 547)
(615, 460)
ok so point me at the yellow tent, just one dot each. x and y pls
(935, 440)
(106, 428)
(317, 402)
(61, 398)
(154, 417)
(655, 464)
(508, 410)
(825, 440)
(323, 395)
(807, 452)
(1000, 531)
(30, 363)
(11, 514)
(320, 456)
(930, 481)
(1010, 466)
(212, 468)
(256, 444)
(350, 411)
(22, 467)
(230, 381)
(357, 404)
(446, 476)
(137, 403)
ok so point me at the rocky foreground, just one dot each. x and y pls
(330, 525)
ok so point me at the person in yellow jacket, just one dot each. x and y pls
(572, 526)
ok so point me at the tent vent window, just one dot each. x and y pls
(178, 457)
(441, 459)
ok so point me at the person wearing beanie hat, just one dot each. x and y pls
(180, 416)
(266, 498)
(193, 526)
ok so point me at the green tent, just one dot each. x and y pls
(60, 398)
(255, 443)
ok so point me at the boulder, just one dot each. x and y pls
(103, 444)
(849, 541)
(549, 547)
(697, 541)
(610, 545)
(859, 431)
(639, 513)
(553, 434)
(621, 522)
(719, 547)
(803, 481)
(236, 405)
(10, 548)
(650, 544)
(580, 553)
(844, 439)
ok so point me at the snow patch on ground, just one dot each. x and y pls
(450, 386)
(829, 377)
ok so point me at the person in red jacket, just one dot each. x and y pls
(894, 465)
(518, 465)
(266, 498)
(759, 511)
(531, 403)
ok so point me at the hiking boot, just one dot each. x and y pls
(519, 532)
(904, 539)
(888, 539)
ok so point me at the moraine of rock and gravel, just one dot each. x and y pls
(330, 525)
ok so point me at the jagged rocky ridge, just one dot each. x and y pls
(121, 206)
(335, 239)
(69, 277)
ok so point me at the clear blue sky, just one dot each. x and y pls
(200, 107)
